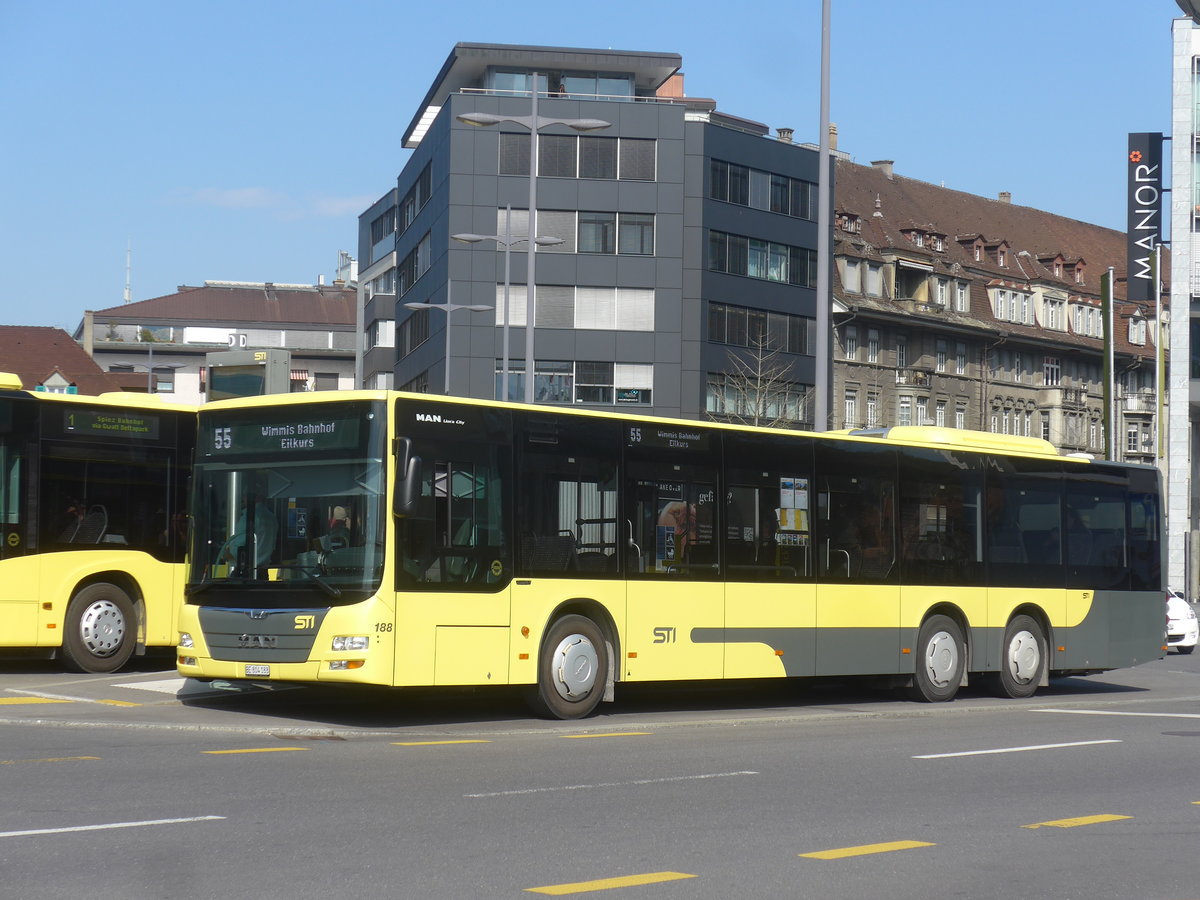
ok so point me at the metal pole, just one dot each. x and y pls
(507, 257)
(150, 369)
(530, 281)
(448, 309)
(823, 379)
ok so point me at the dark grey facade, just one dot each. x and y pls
(624, 306)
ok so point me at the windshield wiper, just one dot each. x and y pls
(330, 589)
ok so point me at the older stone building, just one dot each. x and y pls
(957, 310)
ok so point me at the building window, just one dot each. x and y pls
(922, 411)
(941, 291)
(904, 413)
(941, 355)
(872, 345)
(1051, 371)
(635, 234)
(901, 352)
(960, 358)
(851, 408)
(960, 415)
(872, 409)
(381, 333)
(1001, 257)
(939, 243)
(737, 255)
(874, 280)
(850, 342)
(960, 297)
(739, 326)
(325, 381)
(597, 232)
(582, 156)
(852, 276)
(940, 414)
(1054, 314)
(762, 190)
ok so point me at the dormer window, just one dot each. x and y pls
(1137, 330)
(1057, 269)
(1001, 257)
(850, 223)
(978, 252)
(938, 242)
(918, 238)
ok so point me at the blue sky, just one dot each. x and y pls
(240, 140)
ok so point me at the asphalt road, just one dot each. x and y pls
(140, 785)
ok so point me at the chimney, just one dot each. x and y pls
(832, 135)
(320, 281)
(1006, 196)
(884, 166)
(785, 135)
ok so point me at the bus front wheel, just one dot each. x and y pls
(99, 631)
(572, 669)
(940, 660)
(1022, 659)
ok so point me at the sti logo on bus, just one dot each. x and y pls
(664, 635)
(305, 622)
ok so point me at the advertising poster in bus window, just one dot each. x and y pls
(792, 513)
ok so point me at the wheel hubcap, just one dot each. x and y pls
(1024, 657)
(102, 628)
(575, 667)
(941, 658)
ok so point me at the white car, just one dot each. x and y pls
(1182, 629)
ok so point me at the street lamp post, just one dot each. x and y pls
(150, 367)
(534, 123)
(506, 241)
(448, 308)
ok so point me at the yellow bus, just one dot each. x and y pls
(398, 539)
(92, 494)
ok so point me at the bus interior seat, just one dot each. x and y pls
(91, 529)
(548, 553)
(593, 561)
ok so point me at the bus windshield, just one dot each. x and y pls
(289, 503)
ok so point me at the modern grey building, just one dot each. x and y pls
(687, 237)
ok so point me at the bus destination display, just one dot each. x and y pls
(115, 424)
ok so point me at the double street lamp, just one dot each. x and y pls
(506, 241)
(534, 123)
(448, 308)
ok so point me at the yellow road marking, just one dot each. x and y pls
(607, 884)
(257, 750)
(118, 703)
(1075, 823)
(867, 849)
(434, 743)
(610, 734)
(13, 762)
(17, 701)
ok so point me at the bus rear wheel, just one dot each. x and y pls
(99, 631)
(572, 669)
(940, 660)
(1022, 659)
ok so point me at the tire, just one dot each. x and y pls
(572, 669)
(941, 658)
(1022, 659)
(1186, 650)
(100, 629)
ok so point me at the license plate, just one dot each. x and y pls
(257, 670)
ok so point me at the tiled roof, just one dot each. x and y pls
(35, 353)
(1033, 239)
(263, 304)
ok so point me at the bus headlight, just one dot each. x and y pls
(185, 640)
(357, 642)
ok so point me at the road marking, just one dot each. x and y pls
(256, 750)
(161, 686)
(607, 884)
(4, 834)
(1075, 823)
(435, 743)
(1109, 712)
(607, 784)
(18, 701)
(867, 849)
(13, 762)
(575, 737)
(118, 703)
(1016, 749)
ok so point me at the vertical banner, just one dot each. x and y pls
(1144, 197)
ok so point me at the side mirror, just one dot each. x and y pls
(408, 479)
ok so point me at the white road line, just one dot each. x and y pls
(50, 696)
(4, 834)
(607, 784)
(166, 686)
(1016, 749)
(1109, 712)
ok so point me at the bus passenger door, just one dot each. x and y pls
(19, 605)
(675, 600)
(454, 558)
(858, 594)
